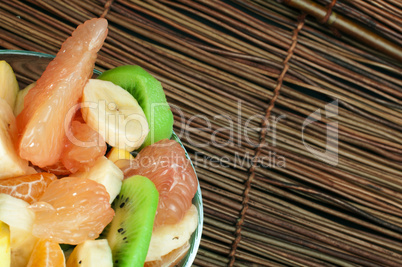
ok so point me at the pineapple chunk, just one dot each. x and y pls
(116, 154)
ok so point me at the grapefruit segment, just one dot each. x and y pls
(57, 169)
(71, 211)
(166, 165)
(82, 147)
(42, 122)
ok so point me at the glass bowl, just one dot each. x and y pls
(28, 66)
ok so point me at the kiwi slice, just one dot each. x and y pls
(149, 93)
(129, 233)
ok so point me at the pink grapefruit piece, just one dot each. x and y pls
(166, 165)
(71, 211)
(46, 113)
(57, 169)
(83, 147)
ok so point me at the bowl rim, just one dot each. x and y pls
(33, 53)
(25, 53)
(195, 238)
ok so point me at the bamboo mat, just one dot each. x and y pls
(290, 110)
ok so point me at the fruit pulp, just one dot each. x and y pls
(83, 147)
(46, 254)
(166, 165)
(41, 129)
(71, 211)
(28, 187)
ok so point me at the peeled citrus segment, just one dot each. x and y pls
(58, 169)
(27, 187)
(166, 165)
(5, 251)
(83, 147)
(166, 238)
(42, 122)
(72, 210)
(46, 254)
(8, 84)
(11, 164)
(115, 114)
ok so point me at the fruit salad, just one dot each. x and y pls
(71, 191)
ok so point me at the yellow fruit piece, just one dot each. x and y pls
(11, 164)
(116, 154)
(168, 237)
(22, 245)
(19, 102)
(91, 253)
(8, 84)
(115, 114)
(106, 173)
(5, 251)
(47, 254)
(171, 259)
(15, 213)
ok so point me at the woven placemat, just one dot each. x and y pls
(290, 110)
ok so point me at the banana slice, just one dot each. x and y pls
(8, 84)
(22, 245)
(115, 114)
(107, 173)
(91, 253)
(167, 238)
(11, 164)
(16, 213)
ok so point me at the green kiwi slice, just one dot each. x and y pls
(129, 233)
(149, 93)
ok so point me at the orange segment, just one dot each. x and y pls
(71, 211)
(27, 187)
(48, 107)
(46, 254)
